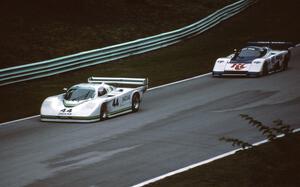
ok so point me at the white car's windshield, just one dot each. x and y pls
(79, 93)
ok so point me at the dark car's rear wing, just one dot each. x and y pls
(273, 45)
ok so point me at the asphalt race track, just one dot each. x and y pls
(178, 125)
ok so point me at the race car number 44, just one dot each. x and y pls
(66, 112)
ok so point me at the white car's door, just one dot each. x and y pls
(126, 99)
(119, 102)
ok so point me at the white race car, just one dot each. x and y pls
(256, 59)
(96, 100)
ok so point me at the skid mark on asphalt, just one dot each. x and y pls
(238, 100)
(85, 159)
(226, 103)
(295, 101)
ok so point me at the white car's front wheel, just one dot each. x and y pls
(103, 112)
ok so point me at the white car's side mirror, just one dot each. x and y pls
(65, 89)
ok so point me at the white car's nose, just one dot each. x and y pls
(237, 67)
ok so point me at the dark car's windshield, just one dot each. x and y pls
(250, 53)
(79, 93)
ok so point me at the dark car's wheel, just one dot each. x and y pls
(286, 62)
(135, 104)
(103, 112)
(277, 67)
(265, 70)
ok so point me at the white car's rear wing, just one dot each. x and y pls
(273, 45)
(119, 80)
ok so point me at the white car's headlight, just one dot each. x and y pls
(220, 61)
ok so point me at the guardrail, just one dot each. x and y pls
(84, 59)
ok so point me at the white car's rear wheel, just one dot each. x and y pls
(135, 105)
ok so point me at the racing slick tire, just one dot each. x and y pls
(265, 70)
(135, 104)
(103, 112)
(286, 62)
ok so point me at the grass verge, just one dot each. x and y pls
(272, 164)
(266, 20)
(36, 30)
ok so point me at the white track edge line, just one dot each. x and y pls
(153, 88)
(185, 168)
(177, 82)
(17, 120)
(202, 163)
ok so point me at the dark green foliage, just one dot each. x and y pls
(236, 142)
(265, 130)
(270, 132)
(282, 128)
